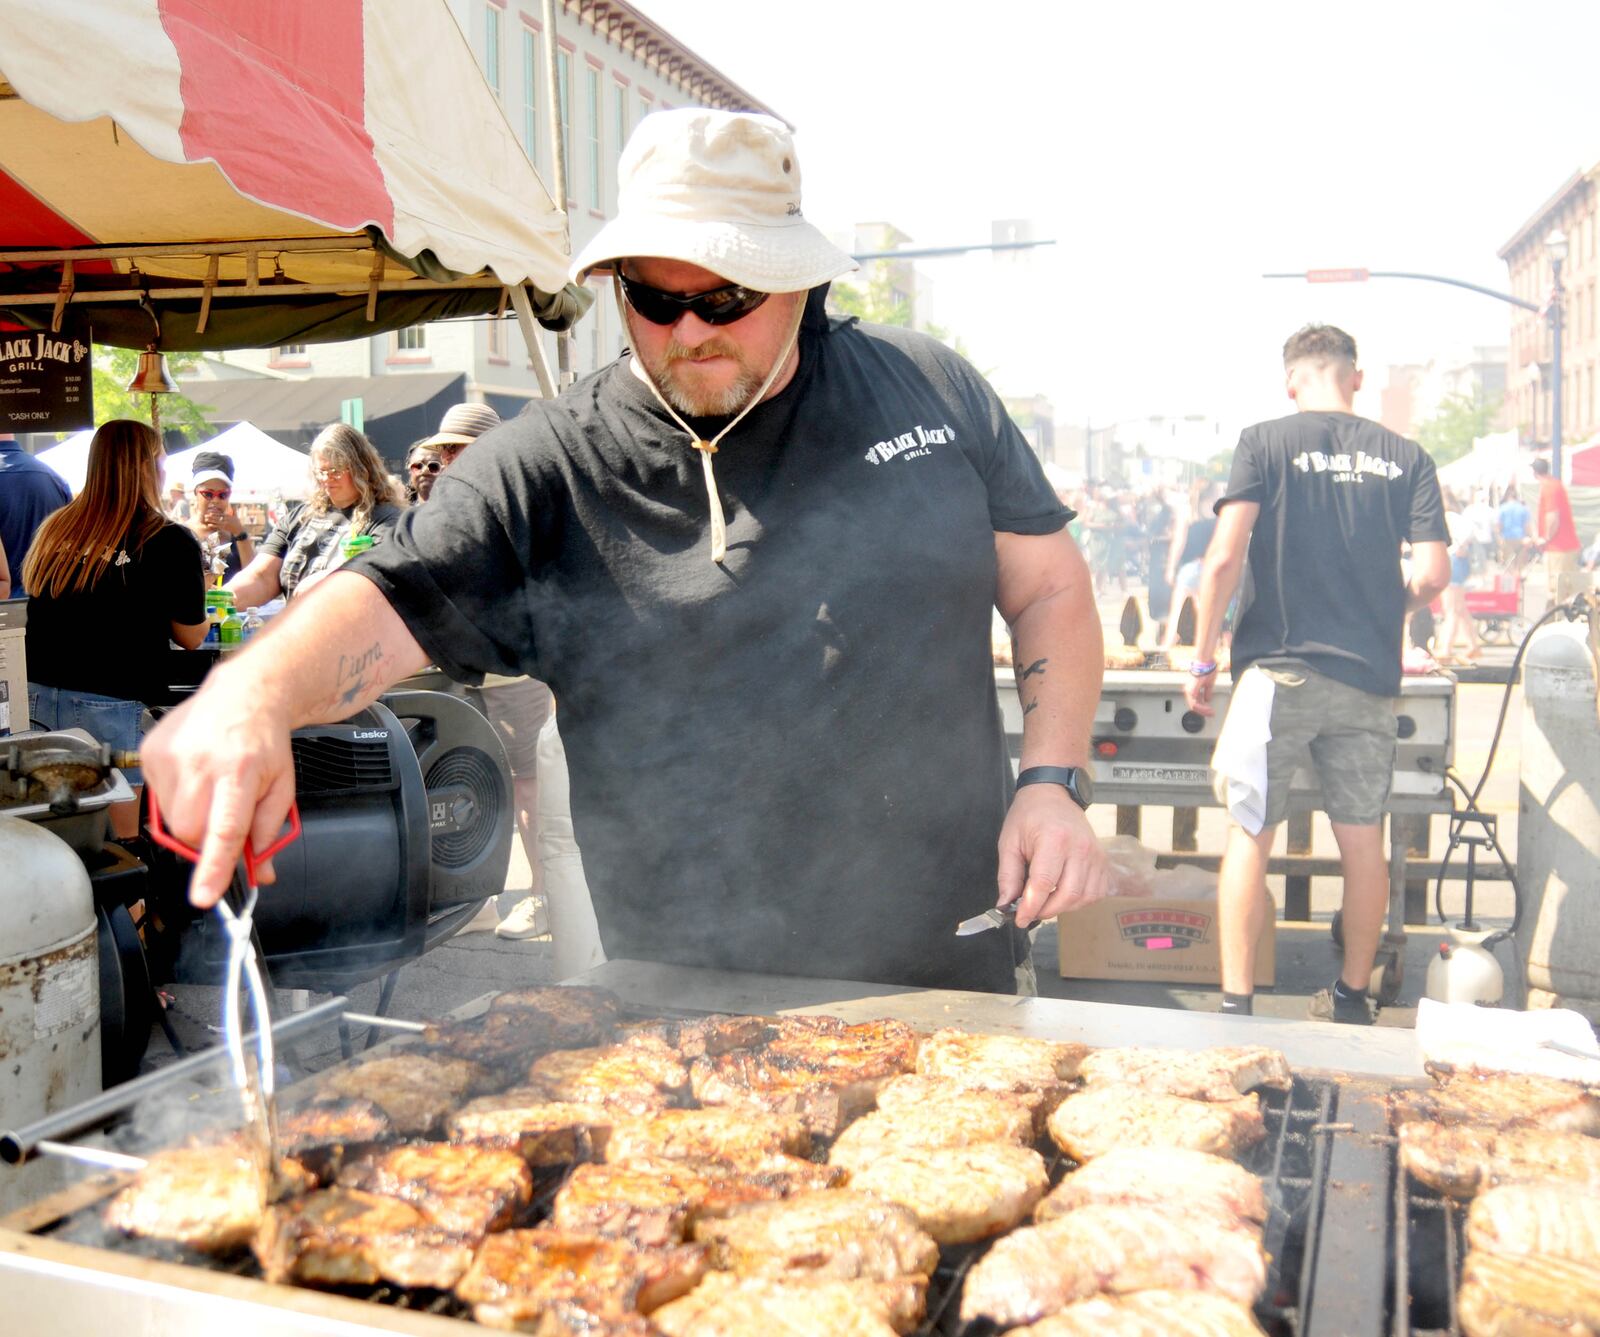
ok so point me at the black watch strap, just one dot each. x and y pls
(1074, 779)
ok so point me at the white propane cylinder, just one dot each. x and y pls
(1464, 970)
(49, 985)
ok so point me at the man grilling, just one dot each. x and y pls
(1318, 504)
(755, 559)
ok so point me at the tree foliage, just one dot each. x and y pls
(875, 302)
(1460, 420)
(114, 368)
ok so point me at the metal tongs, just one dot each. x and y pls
(257, 1082)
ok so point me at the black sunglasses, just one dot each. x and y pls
(432, 466)
(716, 306)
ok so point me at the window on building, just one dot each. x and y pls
(491, 46)
(1588, 398)
(564, 102)
(412, 339)
(646, 106)
(596, 181)
(530, 93)
(619, 113)
(291, 350)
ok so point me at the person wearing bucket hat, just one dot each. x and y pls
(756, 558)
(225, 545)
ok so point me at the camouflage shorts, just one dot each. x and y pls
(1347, 736)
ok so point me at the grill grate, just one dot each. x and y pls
(1429, 1248)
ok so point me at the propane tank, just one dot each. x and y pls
(1464, 969)
(1558, 821)
(49, 991)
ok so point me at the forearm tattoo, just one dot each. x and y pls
(357, 674)
(1035, 669)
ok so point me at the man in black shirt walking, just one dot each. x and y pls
(1319, 504)
(756, 559)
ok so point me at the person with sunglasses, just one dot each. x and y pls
(225, 545)
(423, 467)
(756, 559)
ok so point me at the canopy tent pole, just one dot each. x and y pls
(530, 336)
(558, 163)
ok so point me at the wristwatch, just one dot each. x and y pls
(1076, 780)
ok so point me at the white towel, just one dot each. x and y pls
(1499, 1038)
(1240, 757)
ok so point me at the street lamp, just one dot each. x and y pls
(1555, 249)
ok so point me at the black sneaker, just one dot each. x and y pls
(1326, 1006)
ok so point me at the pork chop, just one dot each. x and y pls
(1500, 1099)
(1199, 1074)
(518, 1275)
(573, 1014)
(958, 1194)
(1528, 1297)
(505, 1041)
(708, 1133)
(1001, 1062)
(342, 1237)
(724, 1305)
(1040, 1270)
(1148, 1314)
(1463, 1159)
(958, 1116)
(639, 1077)
(469, 1190)
(1103, 1118)
(1553, 1220)
(416, 1091)
(543, 1132)
(834, 1233)
(700, 1037)
(320, 1135)
(914, 1091)
(1174, 1178)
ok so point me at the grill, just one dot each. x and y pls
(1356, 1249)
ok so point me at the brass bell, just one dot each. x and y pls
(152, 376)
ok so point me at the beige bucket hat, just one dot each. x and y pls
(720, 190)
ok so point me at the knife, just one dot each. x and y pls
(989, 919)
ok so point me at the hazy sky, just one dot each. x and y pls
(1177, 151)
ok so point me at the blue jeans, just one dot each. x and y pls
(108, 719)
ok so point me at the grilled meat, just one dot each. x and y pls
(571, 1014)
(520, 1275)
(1528, 1297)
(416, 1091)
(834, 1233)
(341, 1237)
(916, 1092)
(1148, 1314)
(1554, 1220)
(319, 1135)
(959, 1194)
(1205, 1074)
(467, 1189)
(208, 1196)
(1500, 1099)
(702, 1037)
(542, 1131)
(1463, 1159)
(710, 1133)
(825, 1075)
(1041, 1269)
(639, 1077)
(505, 1042)
(1001, 1062)
(1173, 1178)
(728, 1306)
(1103, 1118)
(957, 1116)
(652, 1201)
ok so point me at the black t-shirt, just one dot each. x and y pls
(113, 638)
(791, 762)
(1338, 496)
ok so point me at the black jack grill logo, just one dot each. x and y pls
(1163, 928)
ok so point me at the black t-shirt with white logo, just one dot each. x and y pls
(1338, 496)
(791, 762)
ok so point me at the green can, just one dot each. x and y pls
(357, 543)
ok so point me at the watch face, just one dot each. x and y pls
(1082, 787)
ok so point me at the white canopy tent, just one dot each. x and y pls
(70, 459)
(263, 469)
(1493, 463)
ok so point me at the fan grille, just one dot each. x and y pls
(474, 771)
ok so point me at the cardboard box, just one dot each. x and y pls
(13, 666)
(1148, 938)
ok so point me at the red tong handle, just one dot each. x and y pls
(252, 860)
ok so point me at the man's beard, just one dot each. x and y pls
(701, 401)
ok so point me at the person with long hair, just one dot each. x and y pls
(353, 497)
(111, 582)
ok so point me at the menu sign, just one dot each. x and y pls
(46, 380)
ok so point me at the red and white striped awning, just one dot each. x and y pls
(218, 122)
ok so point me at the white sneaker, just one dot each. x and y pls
(528, 919)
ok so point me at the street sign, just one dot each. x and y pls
(353, 412)
(1336, 276)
